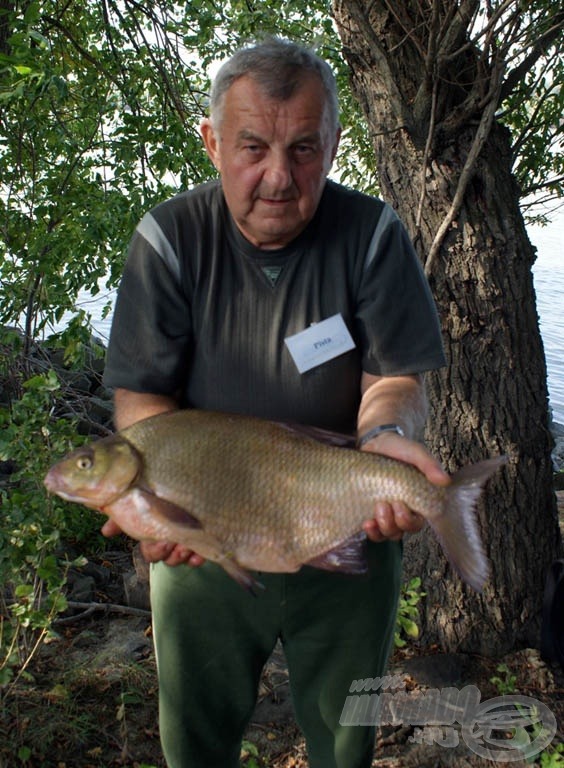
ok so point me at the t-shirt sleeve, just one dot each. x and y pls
(150, 336)
(396, 315)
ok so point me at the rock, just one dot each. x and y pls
(80, 588)
(142, 567)
(126, 640)
(136, 590)
(439, 670)
(99, 573)
(136, 582)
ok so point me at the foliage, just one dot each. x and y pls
(505, 681)
(408, 613)
(249, 755)
(553, 758)
(506, 684)
(34, 529)
(533, 112)
(82, 156)
(522, 44)
(100, 109)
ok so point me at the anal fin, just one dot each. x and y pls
(239, 574)
(348, 557)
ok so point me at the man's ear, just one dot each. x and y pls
(211, 141)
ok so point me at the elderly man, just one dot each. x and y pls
(217, 280)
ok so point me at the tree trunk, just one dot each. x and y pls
(492, 397)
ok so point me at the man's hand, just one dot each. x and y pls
(396, 400)
(154, 551)
(391, 521)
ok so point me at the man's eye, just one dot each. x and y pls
(303, 150)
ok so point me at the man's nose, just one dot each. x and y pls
(278, 171)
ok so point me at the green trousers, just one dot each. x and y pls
(212, 639)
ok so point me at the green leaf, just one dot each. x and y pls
(24, 590)
(409, 627)
(31, 14)
(24, 753)
(6, 675)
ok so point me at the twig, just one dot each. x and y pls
(89, 608)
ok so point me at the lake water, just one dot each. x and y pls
(548, 274)
(549, 284)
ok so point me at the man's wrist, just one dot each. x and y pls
(377, 431)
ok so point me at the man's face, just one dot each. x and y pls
(273, 158)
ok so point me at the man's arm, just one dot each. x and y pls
(397, 400)
(130, 407)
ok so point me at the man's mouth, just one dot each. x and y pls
(276, 200)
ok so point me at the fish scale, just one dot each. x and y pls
(253, 494)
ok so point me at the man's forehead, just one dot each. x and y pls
(309, 87)
(249, 105)
(280, 91)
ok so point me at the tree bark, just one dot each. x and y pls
(430, 101)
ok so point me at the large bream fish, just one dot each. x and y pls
(253, 494)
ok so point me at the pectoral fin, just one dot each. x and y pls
(168, 511)
(349, 557)
(142, 515)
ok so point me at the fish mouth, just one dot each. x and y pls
(53, 485)
(50, 482)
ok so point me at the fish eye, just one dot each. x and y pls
(84, 462)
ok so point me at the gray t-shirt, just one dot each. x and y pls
(202, 312)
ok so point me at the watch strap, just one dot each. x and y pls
(375, 431)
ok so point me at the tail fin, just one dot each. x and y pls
(457, 529)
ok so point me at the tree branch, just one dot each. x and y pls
(532, 124)
(548, 184)
(457, 27)
(540, 48)
(379, 61)
(479, 140)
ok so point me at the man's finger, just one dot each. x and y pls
(110, 528)
(154, 551)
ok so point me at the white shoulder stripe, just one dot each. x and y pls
(153, 234)
(387, 217)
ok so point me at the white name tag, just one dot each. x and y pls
(319, 343)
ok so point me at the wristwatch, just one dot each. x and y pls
(375, 431)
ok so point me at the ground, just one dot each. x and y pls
(88, 699)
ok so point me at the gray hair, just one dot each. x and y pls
(279, 67)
